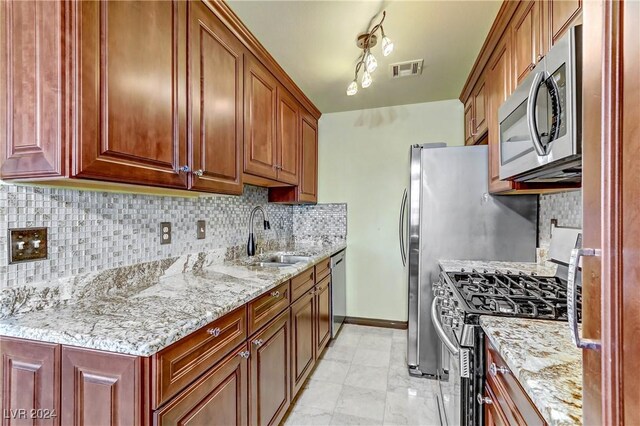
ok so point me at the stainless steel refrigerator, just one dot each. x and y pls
(452, 216)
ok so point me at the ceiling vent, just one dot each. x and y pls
(406, 69)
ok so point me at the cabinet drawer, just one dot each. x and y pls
(302, 283)
(184, 361)
(509, 395)
(268, 306)
(323, 268)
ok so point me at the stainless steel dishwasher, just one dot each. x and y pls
(338, 291)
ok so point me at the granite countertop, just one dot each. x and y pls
(544, 360)
(146, 312)
(547, 269)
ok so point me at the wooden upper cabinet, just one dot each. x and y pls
(288, 138)
(101, 388)
(216, 86)
(479, 110)
(563, 14)
(32, 101)
(308, 186)
(527, 31)
(260, 151)
(500, 86)
(131, 108)
(468, 121)
(30, 380)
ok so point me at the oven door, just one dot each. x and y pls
(450, 401)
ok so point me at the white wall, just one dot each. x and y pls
(364, 162)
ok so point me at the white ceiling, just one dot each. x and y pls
(314, 41)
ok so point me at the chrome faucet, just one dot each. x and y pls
(251, 244)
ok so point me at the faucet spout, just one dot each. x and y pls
(251, 243)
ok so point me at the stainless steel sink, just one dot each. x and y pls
(282, 260)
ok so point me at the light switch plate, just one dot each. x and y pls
(165, 232)
(27, 244)
(201, 229)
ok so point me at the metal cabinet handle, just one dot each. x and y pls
(494, 369)
(572, 298)
(275, 294)
(531, 114)
(244, 354)
(215, 332)
(184, 169)
(198, 173)
(484, 400)
(258, 342)
(539, 58)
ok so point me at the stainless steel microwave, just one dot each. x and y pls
(541, 122)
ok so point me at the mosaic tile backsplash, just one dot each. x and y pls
(566, 207)
(91, 231)
(322, 222)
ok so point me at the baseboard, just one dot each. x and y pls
(374, 322)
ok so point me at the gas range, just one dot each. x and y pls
(505, 294)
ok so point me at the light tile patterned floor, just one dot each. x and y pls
(362, 379)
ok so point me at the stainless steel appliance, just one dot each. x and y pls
(451, 215)
(541, 122)
(338, 291)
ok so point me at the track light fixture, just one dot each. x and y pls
(365, 42)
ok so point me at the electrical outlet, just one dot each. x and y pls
(27, 244)
(201, 229)
(165, 232)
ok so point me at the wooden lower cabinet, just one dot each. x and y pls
(217, 398)
(101, 388)
(323, 314)
(269, 367)
(302, 340)
(30, 378)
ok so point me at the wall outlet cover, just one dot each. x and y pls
(201, 232)
(165, 232)
(27, 244)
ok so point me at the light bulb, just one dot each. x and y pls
(366, 79)
(387, 46)
(371, 63)
(352, 88)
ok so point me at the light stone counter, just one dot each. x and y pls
(544, 360)
(143, 308)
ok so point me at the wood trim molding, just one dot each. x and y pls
(233, 22)
(375, 322)
(500, 25)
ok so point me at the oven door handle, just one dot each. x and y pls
(532, 100)
(452, 347)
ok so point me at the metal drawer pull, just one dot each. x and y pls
(572, 296)
(198, 173)
(215, 332)
(484, 400)
(494, 369)
(258, 342)
(244, 354)
(275, 293)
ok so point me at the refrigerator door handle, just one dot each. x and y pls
(401, 232)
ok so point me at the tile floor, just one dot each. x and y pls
(362, 379)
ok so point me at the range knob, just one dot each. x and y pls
(455, 322)
(447, 320)
(441, 292)
(446, 302)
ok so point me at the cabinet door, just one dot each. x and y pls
(323, 314)
(269, 369)
(216, 84)
(32, 102)
(500, 87)
(479, 110)
(468, 121)
(131, 91)
(527, 38)
(562, 15)
(101, 388)
(302, 340)
(288, 138)
(219, 397)
(260, 120)
(308, 186)
(30, 380)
